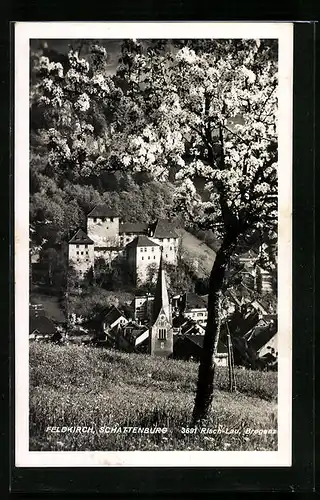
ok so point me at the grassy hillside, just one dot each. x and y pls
(82, 386)
(198, 251)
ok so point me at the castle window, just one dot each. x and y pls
(142, 258)
(81, 253)
(77, 252)
(162, 333)
(166, 255)
(87, 260)
(86, 246)
(152, 249)
(111, 219)
(170, 248)
(148, 257)
(154, 257)
(87, 252)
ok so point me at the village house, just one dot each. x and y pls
(110, 239)
(41, 328)
(187, 326)
(112, 319)
(195, 307)
(142, 306)
(189, 348)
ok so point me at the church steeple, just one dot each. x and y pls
(161, 297)
(161, 333)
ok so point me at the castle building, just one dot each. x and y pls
(143, 258)
(81, 253)
(161, 331)
(103, 227)
(109, 239)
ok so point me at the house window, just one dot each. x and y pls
(166, 255)
(170, 248)
(87, 252)
(145, 249)
(77, 252)
(141, 249)
(94, 219)
(154, 257)
(77, 246)
(81, 253)
(111, 219)
(86, 246)
(142, 258)
(87, 260)
(162, 334)
(148, 257)
(152, 249)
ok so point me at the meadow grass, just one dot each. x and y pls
(86, 386)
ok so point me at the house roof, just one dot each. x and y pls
(133, 227)
(42, 324)
(80, 238)
(163, 228)
(142, 241)
(198, 341)
(102, 211)
(113, 315)
(194, 301)
(262, 336)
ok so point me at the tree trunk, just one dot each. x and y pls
(206, 373)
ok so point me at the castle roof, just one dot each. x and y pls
(133, 227)
(142, 241)
(102, 211)
(161, 298)
(163, 228)
(80, 238)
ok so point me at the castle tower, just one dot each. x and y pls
(81, 253)
(161, 332)
(103, 227)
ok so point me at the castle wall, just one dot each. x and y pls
(104, 231)
(170, 248)
(81, 257)
(107, 254)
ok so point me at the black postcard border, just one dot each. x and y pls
(163, 481)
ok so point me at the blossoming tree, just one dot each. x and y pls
(202, 111)
(208, 111)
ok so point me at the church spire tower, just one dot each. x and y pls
(161, 333)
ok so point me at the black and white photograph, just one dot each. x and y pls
(153, 243)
